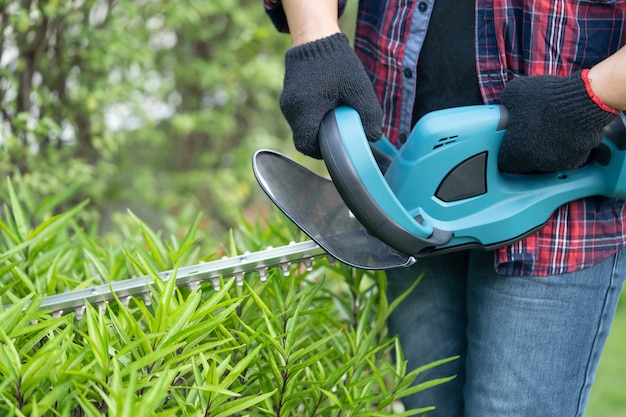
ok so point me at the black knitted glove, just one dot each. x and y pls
(554, 123)
(320, 76)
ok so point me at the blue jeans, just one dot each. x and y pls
(528, 346)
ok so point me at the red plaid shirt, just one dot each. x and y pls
(513, 37)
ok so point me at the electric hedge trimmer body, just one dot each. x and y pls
(440, 192)
(385, 207)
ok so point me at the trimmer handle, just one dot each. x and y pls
(358, 179)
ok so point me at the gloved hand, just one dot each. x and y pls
(320, 76)
(554, 123)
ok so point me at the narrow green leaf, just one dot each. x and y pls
(11, 234)
(189, 239)
(151, 239)
(51, 226)
(127, 391)
(167, 303)
(158, 391)
(101, 271)
(98, 342)
(241, 366)
(39, 332)
(23, 308)
(333, 398)
(11, 363)
(18, 213)
(394, 304)
(304, 303)
(257, 300)
(241, 404)
(39, 367)
(424, 385)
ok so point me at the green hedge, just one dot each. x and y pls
(312, 343)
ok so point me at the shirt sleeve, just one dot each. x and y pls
(276, 13)
(274, 10)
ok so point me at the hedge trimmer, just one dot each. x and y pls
(385, 208)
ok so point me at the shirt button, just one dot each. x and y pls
(422, 6)
(402, 138)
(408, 73)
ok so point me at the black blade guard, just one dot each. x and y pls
(314, 205)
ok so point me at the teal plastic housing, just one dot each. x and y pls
(445, 179)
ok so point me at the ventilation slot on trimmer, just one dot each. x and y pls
(445, 141)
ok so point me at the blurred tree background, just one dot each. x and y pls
(150, 105)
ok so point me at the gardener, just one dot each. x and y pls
(529, 321)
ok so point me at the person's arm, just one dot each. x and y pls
(310, 20)
(322, 72)
(608, 80)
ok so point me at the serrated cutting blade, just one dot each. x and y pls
(192, 276)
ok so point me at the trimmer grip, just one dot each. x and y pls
(360, 183)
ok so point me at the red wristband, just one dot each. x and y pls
(585, 76)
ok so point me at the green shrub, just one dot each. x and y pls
(312, 343)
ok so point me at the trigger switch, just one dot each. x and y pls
(467, 179)
(602, 154)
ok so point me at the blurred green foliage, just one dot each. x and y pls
(153, 105)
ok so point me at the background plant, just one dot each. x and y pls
(156, 105)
